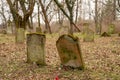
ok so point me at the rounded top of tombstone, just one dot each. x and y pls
(75, 38)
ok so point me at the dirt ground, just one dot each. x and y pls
(101, 57)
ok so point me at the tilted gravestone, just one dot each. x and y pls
(35, 48)
(20, 35)
(69, 51)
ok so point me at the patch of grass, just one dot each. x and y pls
(114, 51)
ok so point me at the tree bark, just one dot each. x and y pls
(70, 6)
(96, 16)
(20, 22)
(47, 24)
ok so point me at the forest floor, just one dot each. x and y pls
(101, 57)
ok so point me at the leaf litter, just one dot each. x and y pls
(102, 61)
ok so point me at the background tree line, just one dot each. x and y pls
(26, 13)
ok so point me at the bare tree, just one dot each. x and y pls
(70, 7)
(118, 6)
(60, 17)
(39, 24)
(109, 11)
(2, 13)
(77, 10)
(96, 15)
(45, 8)
(21, 20)
(99, 14)
(118, 2)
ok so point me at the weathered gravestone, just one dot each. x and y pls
(9, 27)
(88, 34)
(9, 30)
(20, 35)
(35, 48)
(69, 51)
(38, 30)
(111, 29)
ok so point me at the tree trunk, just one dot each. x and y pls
(47, 24)
(96, 17)
(20, 22)
(114, 10)
(77, 8)
(60, 18)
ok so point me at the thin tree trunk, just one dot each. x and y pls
(96, 16)
(47, 24)
(64, 12)
(77, 8)
(39, 24)
(114, 7)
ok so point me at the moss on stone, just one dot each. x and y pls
(69, 51)
(88, 35)
(68, 54)
(36, 33)
(105, 34)
(35, 48)
(111, 29)
(75, 38)
(81, 68)
(38, 30)
(20, 35)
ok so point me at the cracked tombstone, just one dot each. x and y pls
(88, 33)
(69, 52)
(36, 48)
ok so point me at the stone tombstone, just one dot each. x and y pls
(69, 51)
(111, 29)
(35, 48)
(38, 30)
(9, 30)
(20, 36)
(9, 27)
(88, 34)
